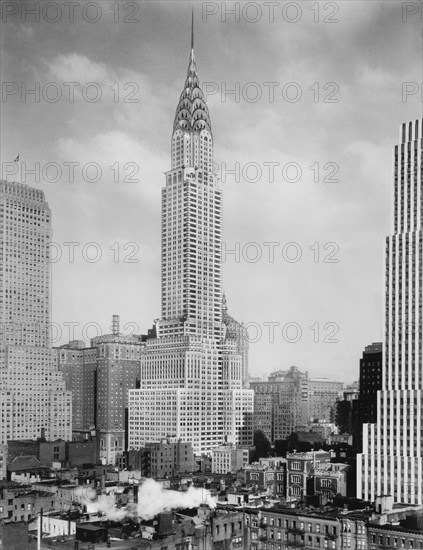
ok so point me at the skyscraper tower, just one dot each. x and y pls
(191, 221)
(192, 371)
(32, 390)
(392, 462)
(25, 268)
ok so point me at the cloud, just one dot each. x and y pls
(78, 68)
(122, 158)
(369, 53)
(26, 32)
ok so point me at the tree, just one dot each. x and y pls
(262, 446)
(343, 416)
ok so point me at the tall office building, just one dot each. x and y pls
(391, 462)
(370, 382)
(290, 399)
(79, 367)
(192, 369)
(100, 377)
(32, 390)
(323, 394)
(361, 408)
(118, 371)
(281, 403)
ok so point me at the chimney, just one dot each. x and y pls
(165, 524)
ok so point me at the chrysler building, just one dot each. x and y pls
(193, 368)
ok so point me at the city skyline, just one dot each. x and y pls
(349, 213)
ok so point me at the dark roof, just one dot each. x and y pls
(90, 527)
(330, 513)
(308, 437)
(40, 494)
(397, 528)
(191, 512)
(22, 463)
(12, 485)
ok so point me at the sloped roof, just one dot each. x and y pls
(24, 462)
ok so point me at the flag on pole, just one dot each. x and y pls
(18, 161)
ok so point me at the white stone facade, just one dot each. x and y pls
(32, 390)
(391, 462)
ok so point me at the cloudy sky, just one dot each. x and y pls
(308, 135)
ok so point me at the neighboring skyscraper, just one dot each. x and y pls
(100, 377)
(32, 390)
(392, 462)
(323, 395)
(25, 270)
(281, 403)
(79, 367)
(118, 371)
(359, 405)
(364, 409)
(192, 369)
(370, 382)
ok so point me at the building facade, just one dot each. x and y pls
(322, 395)
(229, 458)
(100, 377)
(118, 371)
(281, 403)
(291, 399)
(78, 365)
(236, 331)
(407, 534)
(46, 452)
(330, 480)
(364, 406)
(21, 502)
(169, 458)
(300, 469)
(192, 369)
(282, 529)
(3, 461)
(269, 475)
(32, 390)
(370, 382)
(392, 461)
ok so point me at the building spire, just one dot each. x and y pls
(192, 29)
(192, 68)
(192, 112)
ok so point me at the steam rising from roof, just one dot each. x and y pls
(152, 499)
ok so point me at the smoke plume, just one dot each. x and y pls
(152, 499)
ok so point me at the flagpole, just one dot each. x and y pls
(18, 160)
